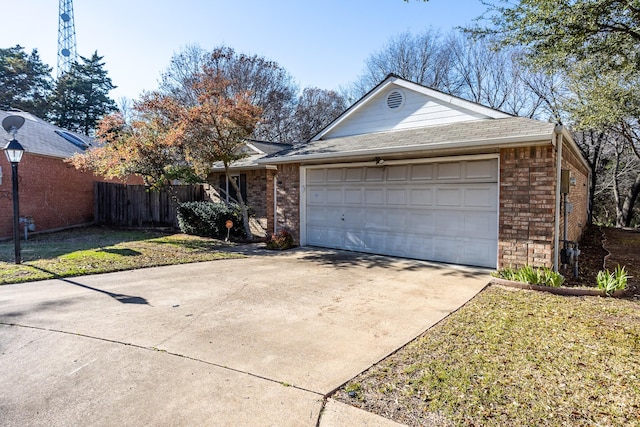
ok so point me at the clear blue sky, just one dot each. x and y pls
(321, 43)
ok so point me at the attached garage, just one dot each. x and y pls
(443, 211)
(412, 172)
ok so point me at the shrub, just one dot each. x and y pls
(281, 240)
(612, 281)
(208, 219)
(542, 276)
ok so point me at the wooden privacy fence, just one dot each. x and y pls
(135, 205)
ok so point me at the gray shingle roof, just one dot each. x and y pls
(470, 133)
(39, 137)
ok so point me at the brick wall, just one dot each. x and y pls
(578, 195)
(527, 206)
(53, 193)
(288, 194)
(256, 192)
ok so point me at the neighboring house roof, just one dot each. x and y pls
(255, 151)
(40, 137)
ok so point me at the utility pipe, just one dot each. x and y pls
(556, 231)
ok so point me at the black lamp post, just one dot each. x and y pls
(14, 152)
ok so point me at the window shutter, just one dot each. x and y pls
(243, 186)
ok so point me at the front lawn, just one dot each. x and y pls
(514, 357)
(100, 250)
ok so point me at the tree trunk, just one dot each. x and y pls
(626, 210)
(243, 206)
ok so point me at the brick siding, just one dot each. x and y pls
(53, 193)
(288, 194)
(527, 206)
(578, 195)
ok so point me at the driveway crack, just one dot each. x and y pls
(126, 344)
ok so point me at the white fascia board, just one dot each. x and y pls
(453, 100)
(540, 139)
(254, 148)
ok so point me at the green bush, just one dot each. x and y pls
(542, 276)
(612, 281)
(208, 219)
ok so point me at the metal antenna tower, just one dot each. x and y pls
(67, 53)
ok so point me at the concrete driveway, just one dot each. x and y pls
(254, 341)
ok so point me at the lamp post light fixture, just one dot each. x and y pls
(14, 152)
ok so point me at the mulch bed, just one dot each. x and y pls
(604, 248)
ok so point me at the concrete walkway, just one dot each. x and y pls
(258, 341)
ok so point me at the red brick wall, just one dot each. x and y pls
(578, 195)
(53, 193)
(288, 194)
(257, 194)
(527, 206)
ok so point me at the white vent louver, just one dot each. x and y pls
(395, 99)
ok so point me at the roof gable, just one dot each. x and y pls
(398, 104)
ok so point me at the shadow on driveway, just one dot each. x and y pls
(124, 299)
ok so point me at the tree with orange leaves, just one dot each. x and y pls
(170, 140)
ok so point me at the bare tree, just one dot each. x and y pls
(316, 109)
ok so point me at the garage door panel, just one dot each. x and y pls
(481, 170)
(448, 196)
(447, 250)
(448, 223)
(396, 220)
(481, 197)
(334, 196)
(316, 196)
(482, 225)
(354, 241)
(374, 196)
(353, 196)
(421, 197)
(397, 196)
(478, 252)
(443, 212)
(397, 173)
(421, 223)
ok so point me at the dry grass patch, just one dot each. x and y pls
(101, 250)
(514, 357)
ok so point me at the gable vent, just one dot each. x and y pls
(395, 99)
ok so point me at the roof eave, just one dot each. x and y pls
(510, 142)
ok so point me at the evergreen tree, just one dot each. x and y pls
(81, 97)
(25, 81)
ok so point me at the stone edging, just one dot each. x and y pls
(557, 291)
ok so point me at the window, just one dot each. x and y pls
(228, 192)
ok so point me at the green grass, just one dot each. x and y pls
(101, 250)
(515, 357)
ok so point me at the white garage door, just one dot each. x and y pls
(443, 212)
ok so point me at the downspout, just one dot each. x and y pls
(556, 228)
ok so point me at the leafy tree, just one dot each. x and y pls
(25, 81)
(171, 139)
(81, 97)
(269, 86)
(561, 33)
(285, 111)
(595, 44)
